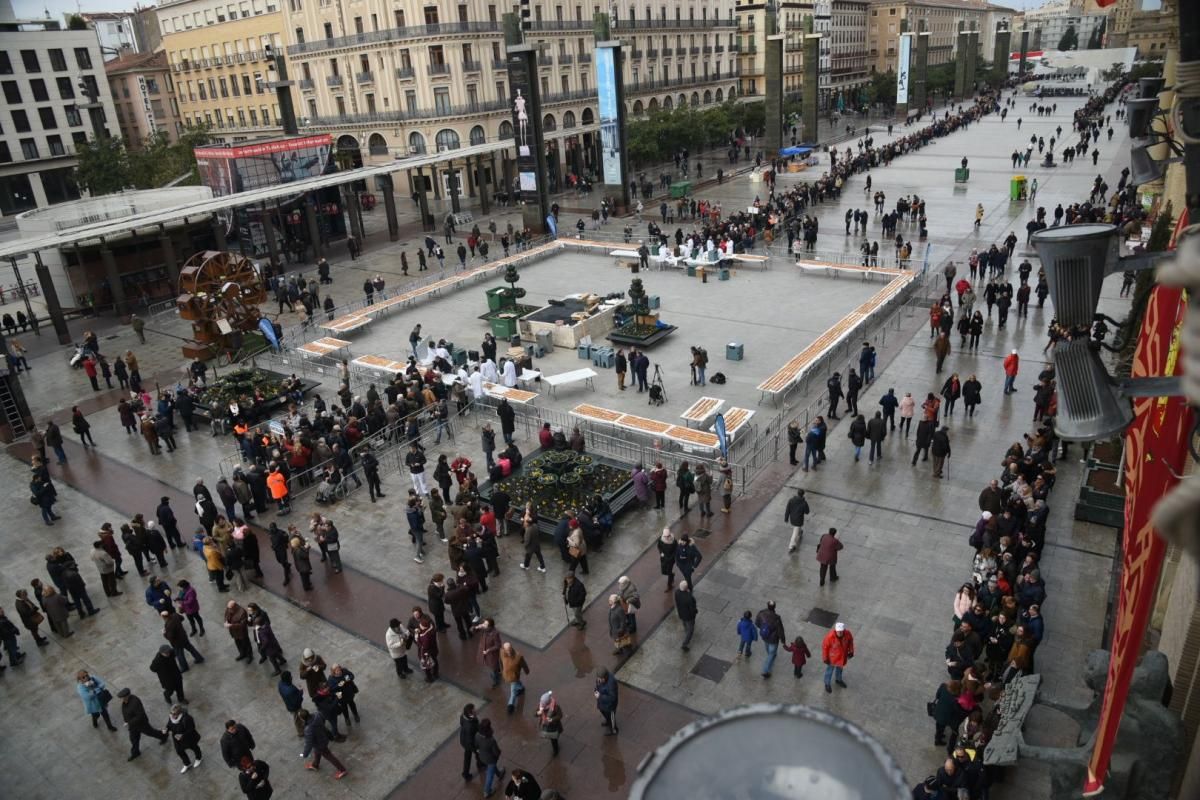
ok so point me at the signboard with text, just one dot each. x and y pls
(902, 68)
(610, 116)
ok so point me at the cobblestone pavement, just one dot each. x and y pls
(905, 554)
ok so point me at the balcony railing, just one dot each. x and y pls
(405, 73)
(659, 84)
(695, 51)
(637, 53)
(552, 25)
(306, 85)
(333, 81)
(393, 35)
(472, 66)
(585, 58)
(668, 52)
(566, 58)
(499, 63)
(488, 107)
(652, 53)
(708, 49)
(439, 69)
(687, 24)
(570, 97)
(720, 48)
(545, 61)
(365, 77)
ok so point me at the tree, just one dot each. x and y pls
(1096, 39)
(882, 89)
(1069, 40)
(103, 166)
(76, 23)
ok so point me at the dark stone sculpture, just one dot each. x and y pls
(1149, 745)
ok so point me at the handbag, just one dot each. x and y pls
(929, 707)
(37, 618)
(575, 552)
(426, 661)
(104, 696)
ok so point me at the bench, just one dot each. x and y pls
(735, 419)
(323, 347)
(691, 437)
(586, 375)
(701, 410)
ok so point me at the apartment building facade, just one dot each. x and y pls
(391, 78)
(940, 18)
(217, 53)
(848, 67)
(143, 92)
(116, 30)
(45, 114)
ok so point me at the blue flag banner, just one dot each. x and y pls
(722, 438)
(268, 330)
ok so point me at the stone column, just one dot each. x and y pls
(972, 59)
(427, 223)
(168, 251)
(1024, 50)
(314, 230)
(120, 302)
(960, 62)
(481, 183)
(219, 233)
(50, 295)
(773, 83)
(812, 79)
(452, 181)
(920, 70)
(387, 188)
(268, 229)
(1000, 56)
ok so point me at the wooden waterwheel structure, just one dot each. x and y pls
(219, 293)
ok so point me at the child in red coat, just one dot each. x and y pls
(800, 655)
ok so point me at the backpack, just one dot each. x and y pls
(764, 630)
(717, 378)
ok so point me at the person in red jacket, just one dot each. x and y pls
(1012, 363)
(836, 650)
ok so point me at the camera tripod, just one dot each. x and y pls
(657, 381)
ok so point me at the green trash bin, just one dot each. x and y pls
(504, 326)
(496, 297)
(1017, 188)
(680, 189)
(961, 175)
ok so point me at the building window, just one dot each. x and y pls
(58, 61)
(299, 35)
(20, 120)
(5, 155)
(46, 114)
(266, 115)
(253, 118)
(246, 85)
(29, 149)
(55, 144)
(431, 15)
(30, 59)
(83, 58)
(74, 119)
(224, 88)
(203, 93)
(370, 103)
(441, 100)
(410, 100)
(12, 92)
(66, 89)
(152, 85)
(5, 63)
(340, 103)
(328, 30)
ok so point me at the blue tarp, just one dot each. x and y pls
(795, 151)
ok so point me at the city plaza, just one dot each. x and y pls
(905, 534)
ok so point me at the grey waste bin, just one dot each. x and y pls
(546, 340)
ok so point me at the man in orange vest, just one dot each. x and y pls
(836, 650)
(277, 484)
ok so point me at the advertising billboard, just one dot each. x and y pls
(902, 67)
(610, 117)
(229, 170)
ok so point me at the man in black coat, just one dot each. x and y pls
(134, 715)
(925, 429)
(797, 508)
(940, 448)
(168, 673)
(435, 593)
(279, 546)
(507, 420)
(853, 386)
(834, 385)
(685, 606)
(236, 742)
(468, 726)
(170, 526)
(876, 433)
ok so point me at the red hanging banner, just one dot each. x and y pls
(1155, 453)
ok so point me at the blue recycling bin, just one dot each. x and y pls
(734, 351)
